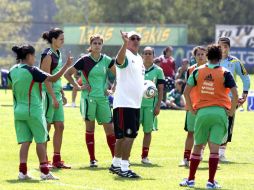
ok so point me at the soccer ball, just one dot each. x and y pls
(150, 89)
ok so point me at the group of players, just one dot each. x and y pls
(39, 99)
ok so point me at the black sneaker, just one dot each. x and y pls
(114, 169)
(128, 174)
(93, 163)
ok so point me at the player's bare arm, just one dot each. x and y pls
(121, 54)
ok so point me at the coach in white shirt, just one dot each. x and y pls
(127, 102)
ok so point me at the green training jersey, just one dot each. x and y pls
(155, 74)
(26, 86)
(94, 72)
(56, 65)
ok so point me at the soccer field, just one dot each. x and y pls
(165, 153)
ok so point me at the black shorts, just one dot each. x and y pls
(126, 122)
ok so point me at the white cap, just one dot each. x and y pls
(133, 33)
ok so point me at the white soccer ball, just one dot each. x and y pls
(150, 89)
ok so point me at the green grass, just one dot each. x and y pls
(165, 153)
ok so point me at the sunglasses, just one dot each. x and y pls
(95, 43)
(135, 38)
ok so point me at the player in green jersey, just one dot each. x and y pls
(150, 108)
(25, 80)
(94, 102)
(53, 95)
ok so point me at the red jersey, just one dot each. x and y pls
(168, 66)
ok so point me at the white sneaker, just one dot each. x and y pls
(48, 176)
(22, 176)
(73, 105)
(214, 185)
(146, 161)
(187, 183)
(222, 158)
(184, 163)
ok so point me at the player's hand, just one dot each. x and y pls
(55, 103)
(242, 99)
(108, 92)
(124, 37)
(157, 110)
(64, 100)
(69, 60)
(85, 87)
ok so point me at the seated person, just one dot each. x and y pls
(175, 98)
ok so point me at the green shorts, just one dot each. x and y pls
(189, 122)
(147, 119)
(35, 128)
(96, 108)
(52, 114)
(211, 125)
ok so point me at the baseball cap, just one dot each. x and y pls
(225, 40)
(133, 33)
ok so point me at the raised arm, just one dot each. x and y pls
(120, 59)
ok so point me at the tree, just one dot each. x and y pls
(14, 25)
(200, 16)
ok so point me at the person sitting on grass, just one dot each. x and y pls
(175, 98)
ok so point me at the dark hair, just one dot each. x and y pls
(148, 48)
(92, 38)
(166, 49)
(225, 40)
(53, 33)
(195, 49)
(214, 52)
(181, 83)
(22, 51)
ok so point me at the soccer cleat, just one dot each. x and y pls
(114, 169)
(184, 163)
(187, 183)
(222, 158)
(93, 163)
(146, 161)
(22, 176)
(214, 185)
(60, 165)
(48, 176)
(128, 174)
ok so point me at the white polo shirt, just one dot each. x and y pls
(129, 82)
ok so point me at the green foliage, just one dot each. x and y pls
(14, 24)
(70, 11)
(201, 16)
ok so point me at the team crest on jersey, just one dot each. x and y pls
(209, 77)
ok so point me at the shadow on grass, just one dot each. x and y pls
(146, 165)
(202, 168)
(118, 178)
(196, 188)
(91, 169)
(230, 162)
(13, 181)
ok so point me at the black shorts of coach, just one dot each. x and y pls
(126, 122)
